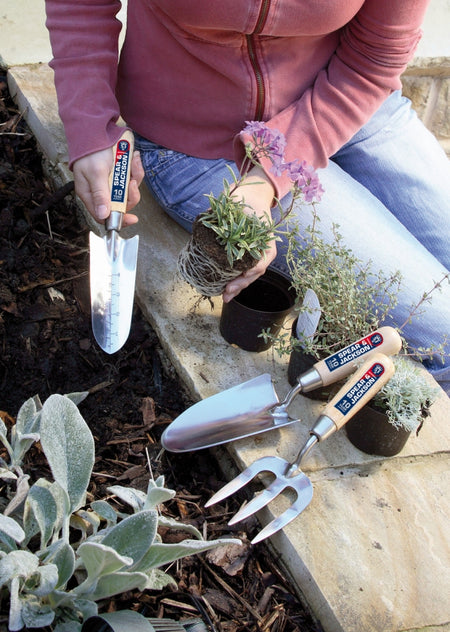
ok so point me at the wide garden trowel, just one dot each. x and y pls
(253, 406)
(367, 380)
(113, 260)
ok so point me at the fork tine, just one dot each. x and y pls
(299, 483)
(259, 501)
(242, 479)
(230, 488)
(286, 517)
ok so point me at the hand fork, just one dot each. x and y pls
(355, 393)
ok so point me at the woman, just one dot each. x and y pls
(327, 75)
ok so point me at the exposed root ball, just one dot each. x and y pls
(202, 271)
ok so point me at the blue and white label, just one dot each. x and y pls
(352, 397)
(120, 172)
(354, 351)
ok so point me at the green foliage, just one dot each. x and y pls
(407, 396)
(237, 231)
(354, 298)
(52, 575)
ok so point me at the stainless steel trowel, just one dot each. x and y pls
(113, 260)
(253, 406)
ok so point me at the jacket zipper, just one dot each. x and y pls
(260, 88)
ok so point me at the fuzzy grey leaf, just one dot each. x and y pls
(11, 528)
(105, 511)
(157, 494)
(7, 544)
(77, 397)
(171, 523)
(117, 583)
(43, 581)
(28, 416)
(160, 554)
(35, 614)
(157, 580)
(133, 497)
(68, 445)
(16, 501)
(62, 555)
(43, 506)
(134, 535)
(15, 622)
(99, 559)
(7, 475)
(17, 564)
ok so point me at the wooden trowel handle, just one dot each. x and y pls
(121, 172)
(357, 391)
(339, 365)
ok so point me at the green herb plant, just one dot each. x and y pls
(237, 231)
(354, 298)
(59, 557)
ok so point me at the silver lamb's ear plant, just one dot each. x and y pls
(50, 577)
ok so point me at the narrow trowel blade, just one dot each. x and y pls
(112, 278)
(238, 412)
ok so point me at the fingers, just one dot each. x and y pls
(239, 283)
(91, 177)
(258, 194)
(134, 196)
(137, 170)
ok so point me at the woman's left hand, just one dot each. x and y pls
(257, 192)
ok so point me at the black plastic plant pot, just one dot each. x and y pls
(263, 305)
(131, 621)
(371, 432)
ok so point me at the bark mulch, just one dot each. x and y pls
(47, 347)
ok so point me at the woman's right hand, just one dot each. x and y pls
(91, 177)
(257, 192)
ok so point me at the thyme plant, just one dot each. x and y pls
(354, 297)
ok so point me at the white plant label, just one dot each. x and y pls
(309, 318)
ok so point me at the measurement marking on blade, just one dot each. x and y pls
(112, 309)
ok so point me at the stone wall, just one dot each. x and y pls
(427, 82)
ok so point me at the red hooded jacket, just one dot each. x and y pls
(191, 72)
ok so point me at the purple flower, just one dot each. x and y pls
(278, 166)
(269, 142)
(255, 128)
(305, 179)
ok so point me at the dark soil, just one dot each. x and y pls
(47, 347)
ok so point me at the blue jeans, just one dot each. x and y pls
(388, 189)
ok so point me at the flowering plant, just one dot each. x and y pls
(269, 143)
(239, 236)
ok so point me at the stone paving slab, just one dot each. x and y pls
(372, 550)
